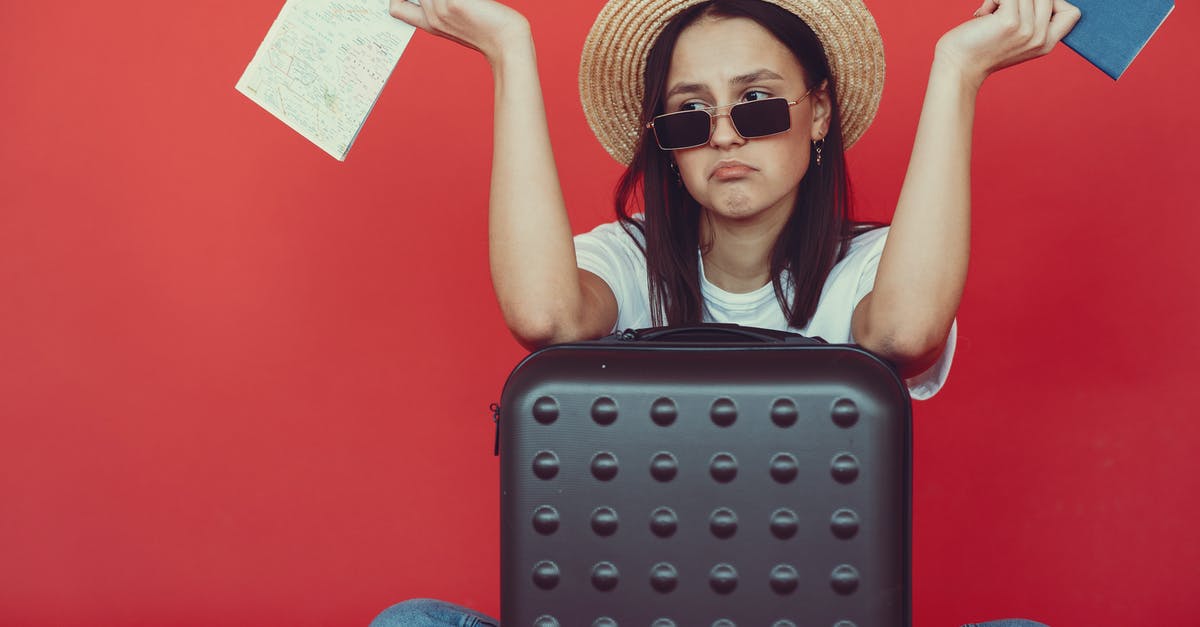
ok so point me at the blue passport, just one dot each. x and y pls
(1112, 32)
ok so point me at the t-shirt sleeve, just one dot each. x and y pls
(924, 385)
(610, 253)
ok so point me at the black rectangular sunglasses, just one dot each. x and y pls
(755, 118)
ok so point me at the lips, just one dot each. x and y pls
(730, 169)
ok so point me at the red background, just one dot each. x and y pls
(244, 384)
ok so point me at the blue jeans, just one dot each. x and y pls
(431, 613)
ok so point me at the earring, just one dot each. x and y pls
(817, 144)
(675, 170)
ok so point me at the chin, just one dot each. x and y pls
(738, 213)
(735, 204)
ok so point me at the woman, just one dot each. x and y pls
(732, 116)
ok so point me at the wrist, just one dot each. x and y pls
(514, 43)
(952, 65)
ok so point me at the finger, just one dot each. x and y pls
(1042, 10)
(989, 7)
(1066, 16)
(1008, 8)
(1025, 11)
(434, 12)
(437, 13)
(432, 8)
(409, 13)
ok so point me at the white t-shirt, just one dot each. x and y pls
(610, 253)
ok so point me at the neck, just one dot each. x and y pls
(737, 253)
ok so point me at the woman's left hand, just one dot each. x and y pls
(1007, 32)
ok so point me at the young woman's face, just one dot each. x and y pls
(721, 61)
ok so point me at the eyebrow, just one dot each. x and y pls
(741, 79)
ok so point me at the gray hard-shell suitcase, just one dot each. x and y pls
(713, 475)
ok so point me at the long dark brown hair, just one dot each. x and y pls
(816, 235)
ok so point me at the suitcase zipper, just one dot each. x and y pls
(495, 407)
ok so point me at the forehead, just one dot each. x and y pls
(714, 50)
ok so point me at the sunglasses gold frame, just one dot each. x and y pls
(728, 114)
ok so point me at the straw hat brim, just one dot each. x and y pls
(611, 82)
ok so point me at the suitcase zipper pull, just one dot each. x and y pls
(495, 407)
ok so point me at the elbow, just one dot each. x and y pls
(533, 331)
(911, 351)
(536, 330)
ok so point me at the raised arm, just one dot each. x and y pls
(543, 296)
(921, 274)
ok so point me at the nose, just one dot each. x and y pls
(724, 134)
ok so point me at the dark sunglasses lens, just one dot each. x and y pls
(758, 118)
(682, 130)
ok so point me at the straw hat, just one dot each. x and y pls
(614, 60)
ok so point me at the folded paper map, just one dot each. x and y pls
(322, 67)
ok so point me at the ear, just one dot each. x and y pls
(822, 109)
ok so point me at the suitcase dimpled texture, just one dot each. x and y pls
(694, 483)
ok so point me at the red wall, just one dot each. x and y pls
(244, 384)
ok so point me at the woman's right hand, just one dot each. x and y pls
(484, 25)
